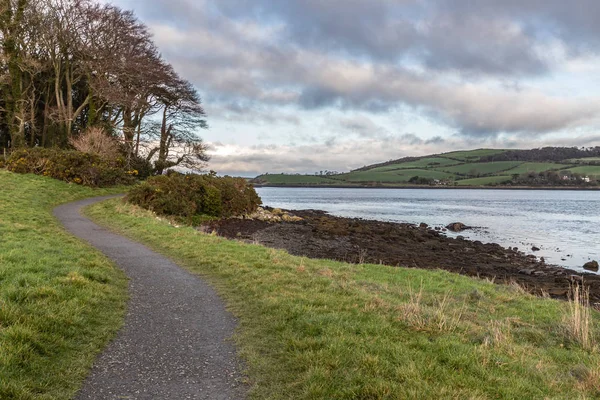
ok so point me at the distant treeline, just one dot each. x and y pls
(68, 65)
(554, 154)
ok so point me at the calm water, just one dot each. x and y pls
(564, 224)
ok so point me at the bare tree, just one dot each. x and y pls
(68, 65)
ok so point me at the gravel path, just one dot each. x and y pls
(174, 344)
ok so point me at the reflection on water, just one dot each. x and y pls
(564, 224)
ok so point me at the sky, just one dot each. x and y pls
(300, 86)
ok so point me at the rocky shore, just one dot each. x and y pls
(316, 234)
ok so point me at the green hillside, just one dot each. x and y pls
(551, 166)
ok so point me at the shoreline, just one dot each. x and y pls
(309, 186)
(323, 236)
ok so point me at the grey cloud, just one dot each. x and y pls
(412, 139)
(256, 56)
(363, 127)
(393, 31)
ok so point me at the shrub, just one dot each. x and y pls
(70, 166)
(96, 141)
(190, 196)
(141, 165)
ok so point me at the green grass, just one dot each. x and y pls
(60, 301)
(481, 168)
(488, 180)
(537, 167)
(397, 176)
(472, 155)
(431, 162)
(316, 329)
(280, 179)
(590, 170)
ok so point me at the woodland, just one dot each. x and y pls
(68, 66)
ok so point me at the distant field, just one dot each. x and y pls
(537, 167)
(591, 170)
(456, 166)
(488, 180)
(481, 168)
(473, 155)
(279, 179)
(584, 160)
(431, 162)
(397, 176)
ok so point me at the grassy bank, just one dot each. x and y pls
(60, 301)
(315, 329)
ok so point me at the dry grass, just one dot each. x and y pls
(578, 321)
(96, 141)
(438, 317)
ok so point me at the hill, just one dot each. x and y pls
(549, 166)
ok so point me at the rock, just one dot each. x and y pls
(591, 266)
(437, 228)
(558, 292)
(534, 248)
(457, 227)
(423, 225)
(526, 271)
(460, 238)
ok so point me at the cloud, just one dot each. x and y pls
(313, 81)
(493, 72)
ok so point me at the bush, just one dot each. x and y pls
(190, 196)
(95, 140)
(141, 165)
(70, 166)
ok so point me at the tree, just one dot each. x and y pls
(178, 143)
(69, 65)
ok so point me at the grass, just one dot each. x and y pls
(397, 176)
(481, 168)
(317, 329)
(60, 301)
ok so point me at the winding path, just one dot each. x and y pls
(174, 344)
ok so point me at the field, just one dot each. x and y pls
(316, 329)
(60, 300)
(396, 176)
(537, 167)
(591, 170)
(433, 162)
(459, 167)
(481, 168)
(594, 160)
(472, 155)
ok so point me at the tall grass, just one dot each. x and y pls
(578, 321)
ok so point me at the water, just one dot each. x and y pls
(565, 225)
